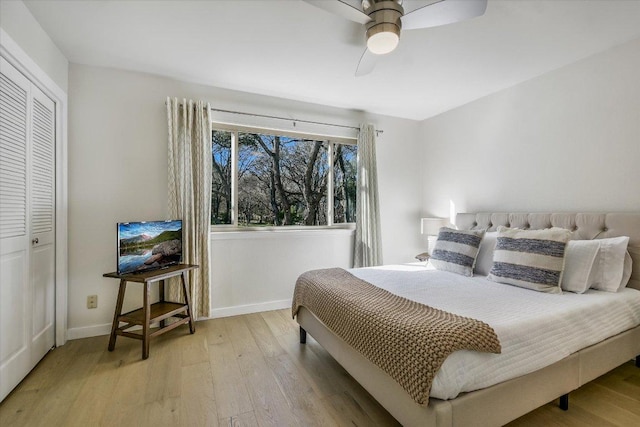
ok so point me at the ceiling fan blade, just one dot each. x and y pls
(442, 13)
(367, 63)
(341, 8)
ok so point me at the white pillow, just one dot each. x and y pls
(578, 262)
(626, 273)
(608, 268)
(485, 255)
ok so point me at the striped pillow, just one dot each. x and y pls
(456, 250)
(532, 259)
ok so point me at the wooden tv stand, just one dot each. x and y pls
(151, 313)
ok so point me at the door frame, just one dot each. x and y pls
(17, 57)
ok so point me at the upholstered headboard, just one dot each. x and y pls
(585, 226)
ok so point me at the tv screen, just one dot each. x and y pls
(148, 245)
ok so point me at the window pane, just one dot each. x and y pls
(306, 169)
(221, 177)
(281, 181)
(254, 168)
(344, 183)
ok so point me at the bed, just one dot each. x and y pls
(507, 400)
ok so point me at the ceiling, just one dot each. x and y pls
(291, 49)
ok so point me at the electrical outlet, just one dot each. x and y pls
(92, 301)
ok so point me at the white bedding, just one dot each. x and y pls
(535, 329)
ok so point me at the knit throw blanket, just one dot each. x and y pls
(406, 339)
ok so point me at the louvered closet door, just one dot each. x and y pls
(15, 347)
(27, 257)
(41, 211)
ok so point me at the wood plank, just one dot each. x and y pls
(55, 402)
(131, 386)
(577, 416)
(94, 396)
(124, 416)
(596, 399)
(278, 323)
(49, 371)
(548, 415)
(230, 392)
(270, 405)
(307, 406)
(625, 380)
(214, 330)
(240, 335)
(346, 411)
(263, 336)
(163, 373)
(194, 349)
(248, 419)
(15, 410)
(162, 413)
(325, 382)
(197, 398)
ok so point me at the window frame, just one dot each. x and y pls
(234, 130)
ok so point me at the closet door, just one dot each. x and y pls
(41, 210)
(27, 140)
(15, 355)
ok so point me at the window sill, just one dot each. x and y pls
(231, 233)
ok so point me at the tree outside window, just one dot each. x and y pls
(344, 187)
(221, 178)
(281, 180)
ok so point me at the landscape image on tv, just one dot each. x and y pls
(148, 245)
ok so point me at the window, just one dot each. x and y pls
(266, 179)
(221, 182)
(344, 183)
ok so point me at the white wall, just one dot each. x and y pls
(566, 141)
(253, 271)
(118, 172)
(20, 24)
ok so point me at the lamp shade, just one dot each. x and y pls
(431, 226)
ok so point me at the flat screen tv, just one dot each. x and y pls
(148, 245)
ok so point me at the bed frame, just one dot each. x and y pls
(506, 401)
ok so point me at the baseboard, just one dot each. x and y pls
(88, 331)
(105, 329)
(249, 308)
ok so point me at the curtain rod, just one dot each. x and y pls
(378, 131)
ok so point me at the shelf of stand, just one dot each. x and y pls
(149, 313)
(159, 311)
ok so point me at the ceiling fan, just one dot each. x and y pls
(384, 19)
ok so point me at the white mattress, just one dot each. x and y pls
(535, 329)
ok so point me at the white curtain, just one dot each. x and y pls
(190, 160)
(368, 244)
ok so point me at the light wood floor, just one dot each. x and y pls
(244, 371)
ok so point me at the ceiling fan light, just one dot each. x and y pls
(382, 42)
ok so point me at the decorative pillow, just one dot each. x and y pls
(608, 269)
(456, 250)
(578, 262)
(485, 254)
(532, 259)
